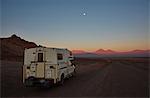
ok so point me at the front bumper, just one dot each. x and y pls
(38, 82)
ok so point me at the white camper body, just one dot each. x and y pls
(46, 66)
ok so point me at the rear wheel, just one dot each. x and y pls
(28, 83)
(46, 84)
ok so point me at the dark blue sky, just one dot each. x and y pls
(109, 24)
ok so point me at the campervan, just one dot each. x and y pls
(46, 66)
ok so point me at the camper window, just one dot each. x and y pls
(59, 56)
(40, 57)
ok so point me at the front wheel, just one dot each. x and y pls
(74, 73)
(62, 80)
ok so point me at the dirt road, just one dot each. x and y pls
(93, 79)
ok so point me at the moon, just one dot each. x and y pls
(84, 14)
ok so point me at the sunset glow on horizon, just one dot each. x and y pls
(89, 25)
(94, 46)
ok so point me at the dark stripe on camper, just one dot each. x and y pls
(63, 67)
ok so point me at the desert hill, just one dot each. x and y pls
(12, 48)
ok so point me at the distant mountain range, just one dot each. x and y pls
(12, 48)
(111, 53)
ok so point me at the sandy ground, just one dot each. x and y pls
(94, 78)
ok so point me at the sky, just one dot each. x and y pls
(120, 25)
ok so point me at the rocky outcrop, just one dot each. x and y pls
(12, 48)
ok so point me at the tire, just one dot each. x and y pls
(62, 79)
(28, 83)
(74, 73)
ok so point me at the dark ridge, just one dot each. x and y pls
(12, 48)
